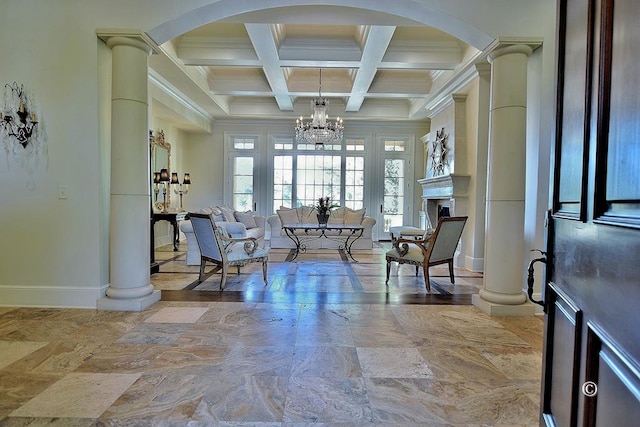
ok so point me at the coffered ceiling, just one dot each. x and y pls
(258, 69)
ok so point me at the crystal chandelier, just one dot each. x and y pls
(319, 130)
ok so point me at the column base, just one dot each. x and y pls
(495, 309)
(134, 304)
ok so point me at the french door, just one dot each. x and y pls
(396, 180)
(592, 327)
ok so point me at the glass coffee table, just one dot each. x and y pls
(345, 234)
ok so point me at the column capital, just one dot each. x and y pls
(483, 69)
(507, 45)
(135, 38)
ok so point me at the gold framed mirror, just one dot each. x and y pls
(160, 159)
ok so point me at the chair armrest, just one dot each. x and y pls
(250, 243)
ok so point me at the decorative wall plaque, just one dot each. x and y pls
(439, 153)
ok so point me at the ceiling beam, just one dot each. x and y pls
(265, 46)
(376, 44)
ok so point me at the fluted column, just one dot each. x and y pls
(130, 287)
(502, 293)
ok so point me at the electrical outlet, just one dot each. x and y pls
(62, 191)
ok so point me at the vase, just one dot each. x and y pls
(323, 218)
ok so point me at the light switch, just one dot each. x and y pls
(62, 191)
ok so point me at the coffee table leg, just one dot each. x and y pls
(296, 240)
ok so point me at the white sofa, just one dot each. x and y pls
(237, 224)
(306, 214)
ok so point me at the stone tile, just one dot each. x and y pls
(177, 315)
(334, 400)
(243, 398)
(10, 351)
(325, 361)
(393, 363)
(96, 392)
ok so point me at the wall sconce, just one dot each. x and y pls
(156, 184)
(164, 179)
(17, 121)
(181, 189)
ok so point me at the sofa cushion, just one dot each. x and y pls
(354, 216)
(246, 218)
(288, 215)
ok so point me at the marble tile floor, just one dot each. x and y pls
(195, 363)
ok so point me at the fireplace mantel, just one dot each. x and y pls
(445, 187)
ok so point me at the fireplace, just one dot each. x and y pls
(444, 196)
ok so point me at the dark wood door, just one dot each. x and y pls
(592, 297)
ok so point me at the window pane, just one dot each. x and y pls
(390, 145)
(243, 183)
(243, 143)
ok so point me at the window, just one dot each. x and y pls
(354, 182)
(317, 176)
(302, 174)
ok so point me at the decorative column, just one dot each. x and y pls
(130, 287)
(502, 293)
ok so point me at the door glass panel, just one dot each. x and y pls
(243, 183)
(282, 181)
(393, 198)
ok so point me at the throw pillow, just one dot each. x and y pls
(354, 216)
(227, 213)
(214, 213)
(337, 216)
(246, 218)
(288, 215)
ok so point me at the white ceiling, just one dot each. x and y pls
(268, 65)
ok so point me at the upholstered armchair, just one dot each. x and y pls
(431, 249)
(218, 248)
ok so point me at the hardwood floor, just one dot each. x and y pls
(318, 276)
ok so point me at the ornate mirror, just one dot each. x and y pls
(160, 159)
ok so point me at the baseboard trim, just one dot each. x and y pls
(45, 296)
(474, 264)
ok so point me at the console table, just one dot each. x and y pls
(173, 218)
(346, 234)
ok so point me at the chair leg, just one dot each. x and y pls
(223, 281)
(388, 271)
(238, 270)
(453, 280)
(427, 281)
(202, 265)
(264, 271)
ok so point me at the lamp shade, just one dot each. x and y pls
(174, 178)
(187, 179)
(164, 175)
(156, 177)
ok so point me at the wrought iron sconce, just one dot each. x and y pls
(17, 120)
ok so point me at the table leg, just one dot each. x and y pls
(175, 235)
(296, 240)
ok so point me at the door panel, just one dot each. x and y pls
(593, 242)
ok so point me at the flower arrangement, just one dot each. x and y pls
(323, 206)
